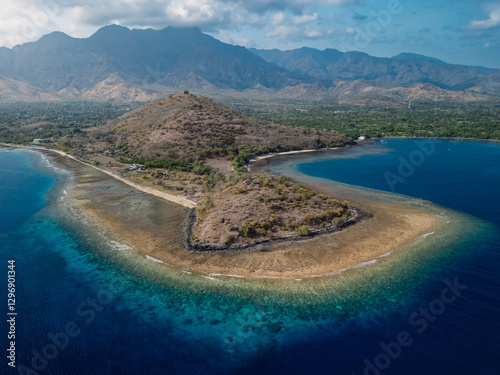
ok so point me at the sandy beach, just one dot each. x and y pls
(169, 197)
(279, 154)
(156, 227)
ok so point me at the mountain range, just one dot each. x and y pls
(117, 63)
(403, 70)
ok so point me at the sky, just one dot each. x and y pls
(458, 31)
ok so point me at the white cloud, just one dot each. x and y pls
(305, 18)
(278, 19)
(313, 34)
(492, 21)
(27, 20)
(289, 27)
(289, 33)
(226, 38)
(340, 2)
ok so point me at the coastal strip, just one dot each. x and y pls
(146, 189)
(157, 228)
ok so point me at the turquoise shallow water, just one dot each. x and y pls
(155, 320)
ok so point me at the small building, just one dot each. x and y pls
(38, 140)
(135, 167)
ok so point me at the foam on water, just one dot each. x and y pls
(224, 275)
(119, 246)
(211, 278)
(155, 260)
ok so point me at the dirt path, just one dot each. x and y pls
(146, 189)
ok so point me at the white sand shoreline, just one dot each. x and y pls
(148, 190)
(275, 154)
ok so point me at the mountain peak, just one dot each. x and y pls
(119, 62)
(110, 31)
(194, 30)
(56, 36)
(408, 55)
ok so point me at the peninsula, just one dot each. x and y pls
(195, 152)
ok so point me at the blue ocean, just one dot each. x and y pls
(80, 311)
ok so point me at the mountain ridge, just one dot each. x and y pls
(403, 70)
(121, 64)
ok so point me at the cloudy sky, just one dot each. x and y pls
(458, 31)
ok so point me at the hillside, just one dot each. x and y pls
(361, 92)
(261, 208)
(186, 127)
(15, 90)
(403, 70)
(192, 146)
(118, 63)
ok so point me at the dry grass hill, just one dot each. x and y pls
(192, 146)
(185, 127)
(259, 209)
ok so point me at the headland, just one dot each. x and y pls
(158, 229)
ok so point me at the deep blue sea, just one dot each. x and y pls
(80, 312)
